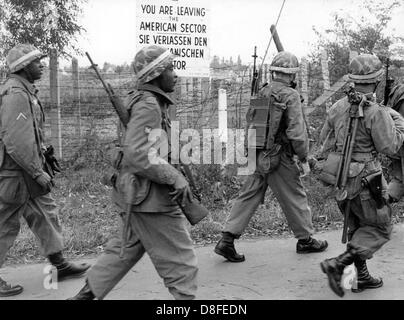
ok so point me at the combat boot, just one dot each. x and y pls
(67, 270)
(311, 245)
(84, 294)
(225, 247)
(7, 290)
(365, 280)
(334, 268)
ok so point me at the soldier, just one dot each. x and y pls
(396, 186)
(291, 139)
(22, 166)
(380, 130)
(157, 225)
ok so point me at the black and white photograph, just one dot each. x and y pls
(226, 152)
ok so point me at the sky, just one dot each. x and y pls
(236, 26)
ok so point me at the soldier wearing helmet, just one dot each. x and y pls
(157, 225)
(380, 130)
(22, 173)
(286, 139)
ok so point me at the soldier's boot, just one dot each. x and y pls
(67, 270)
(365, 280)
(84, 294)
(225, 247)
(311, 245)
(334, 268)
(7, 290)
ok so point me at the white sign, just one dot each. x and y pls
(179, 25)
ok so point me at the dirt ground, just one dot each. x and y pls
(272, 271)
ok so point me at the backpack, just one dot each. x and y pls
(265, 116)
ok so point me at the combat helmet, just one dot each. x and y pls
(21, 56)
(365, 68)
(150, 62)
(285, 62)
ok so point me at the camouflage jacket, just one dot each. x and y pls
(18, 146)
(146, 151)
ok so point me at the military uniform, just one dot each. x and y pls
(157, 225)
(19, 152)
(380, 130)
(284, 180)
(22, 155)
(396, 185)
(369, 228)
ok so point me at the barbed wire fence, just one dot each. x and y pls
(83, 125)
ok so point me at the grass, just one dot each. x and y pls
(89, 219)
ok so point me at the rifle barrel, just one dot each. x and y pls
(94, 67)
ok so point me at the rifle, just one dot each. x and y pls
(254, 83)
(194, 211)
(355, 113)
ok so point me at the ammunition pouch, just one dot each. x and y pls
(329, 168)
(269, 160)
(374, 183)
(329, 172)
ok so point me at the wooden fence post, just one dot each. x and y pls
(304, 89)
(76, 97)
(326, 75)
(56, 134)
(222, 115)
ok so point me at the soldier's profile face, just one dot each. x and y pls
(35, 69)
(168, 79)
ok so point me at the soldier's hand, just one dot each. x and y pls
(182, 191)
(305, 168)
(44, 180)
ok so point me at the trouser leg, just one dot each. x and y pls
(287, 187)
(374, 228)
(9, 227)
(110, 268)
(169, 245)
(42, 218)
(244, 207)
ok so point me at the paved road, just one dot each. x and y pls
(272, 271)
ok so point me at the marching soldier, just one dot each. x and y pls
(396, 184)
(152, 185)
(379, 130)
(288, 137)
(24, 184)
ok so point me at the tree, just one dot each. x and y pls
(239, 63)
(46, 24)
(364, 29)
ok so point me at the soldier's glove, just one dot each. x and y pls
(44, 180)
(182, 192)
(51, 160)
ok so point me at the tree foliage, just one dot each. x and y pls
(46, 24)
(363, 28)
